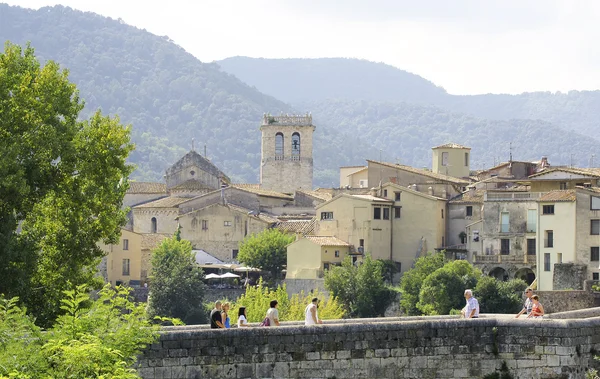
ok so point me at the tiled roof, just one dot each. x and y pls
(298, 226)
(594, 172)
(318, 195)
(246, 185)
(592, 189)
(146, 187)
(327, 241)
(559, 195)
(373, 198)
(468, 197)
(430, 174)
(261, 216)
(451, 146)
(165, 202)
(261, 192)
(191, 184)
(152, 240)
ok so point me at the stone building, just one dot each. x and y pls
(286, 153)
(354, 177)
(452, 159)
(309, 256)
(195, 175)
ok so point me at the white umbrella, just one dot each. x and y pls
(212, 276)
(229, 275)
(245, 269)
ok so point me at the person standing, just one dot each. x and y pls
(273, 314)
(311, 315)
(242, 318)
(225, 320)
(215, 317)
(471, 310)
(528, 303)
(537, 310)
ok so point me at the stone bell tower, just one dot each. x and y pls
(286, 153)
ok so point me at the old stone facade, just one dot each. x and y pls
(413, 347)
(196, 171)
(286, 153)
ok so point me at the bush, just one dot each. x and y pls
(412, 280)
(495, 296)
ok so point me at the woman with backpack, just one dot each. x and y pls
(272, 317)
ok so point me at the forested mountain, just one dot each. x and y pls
(167, 95)
(301, 80)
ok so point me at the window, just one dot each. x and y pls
(326, 215)
(125, 267)
(337, 253)
(377, 213)
(384, 193)
(558, 257)
(234, 253)
(563, 185)
(596, 276)
(361, 246)
(531, 220)
(397, 196)
(504, 246)
(547, 262)
(466, 159)
(153, 225)
(397, 212)
(204, 224)
(125, 244)
(595, 254)
(226, 223)
(469, 210)
(279, 146)
(548, 209)
(296, 146)
(444, 159)
(386, 213)
(443, 241)
(595, 227)
(594, 203)
(504, 222)
(361, 242)
(549, 238)
(530, 246)
(463, 237)
(442, 213)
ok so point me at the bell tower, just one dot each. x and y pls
(286, 153)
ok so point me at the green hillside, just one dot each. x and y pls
(301, 80)
(168, 95)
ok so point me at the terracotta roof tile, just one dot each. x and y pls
(319, 195)
(191, 184)
(327, 241)
(469, 198)
(165, 202)
(427, 173)
(373, 198)
(146, 187)
(451, 146)
(559, 195)
(262, 192)
(303, 227)
(594, 172)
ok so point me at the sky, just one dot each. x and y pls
(465, 46)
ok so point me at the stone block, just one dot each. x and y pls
(311, 356)
(461, 373)
(343, 354)
(162, 373)
(244, 370)
(264, 370)
(553, 361)
(382, 353)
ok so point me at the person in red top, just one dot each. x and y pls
(537, 310)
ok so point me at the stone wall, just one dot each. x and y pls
(295, 286)
(562, 301)
(419, 348)
(568, 276)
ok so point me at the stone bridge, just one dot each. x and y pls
(559, 346)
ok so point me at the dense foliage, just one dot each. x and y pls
(62, 182)
(93, 339)
(256, 300)
(177, 289)
(435, 286)
(266, 250)
(361, 288)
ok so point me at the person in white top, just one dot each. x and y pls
(471, 310)
(311, 315)
(273, 314)
(242, 321)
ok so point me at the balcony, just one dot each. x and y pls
(512, 196)
(499, 258)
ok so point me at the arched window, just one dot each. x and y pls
(296, 146)
(279, 146)
(153, 227)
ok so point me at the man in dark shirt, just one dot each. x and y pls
(215, 317)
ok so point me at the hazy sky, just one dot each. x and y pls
(465, 46)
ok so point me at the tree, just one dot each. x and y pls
(495, 296)
(62, 183)
(443, 290)
(177, 289)
(360, 288)
(93, 339)
(266, 250)
(412, 280)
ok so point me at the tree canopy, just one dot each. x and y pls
(62, 183)
(266, 250)
(177, 289)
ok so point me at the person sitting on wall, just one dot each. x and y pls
(537, 310)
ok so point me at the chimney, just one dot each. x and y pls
(373, 191)
(544, 162)
(471, 191)
(430, 191)
(413, 187)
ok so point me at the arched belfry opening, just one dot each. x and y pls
(279, 141)
(153, 225)
(296, 146)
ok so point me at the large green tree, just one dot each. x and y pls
(62, 183)
(496, 296)
(412, 280)
(266, 250)
(177, 289)
(360, 288)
